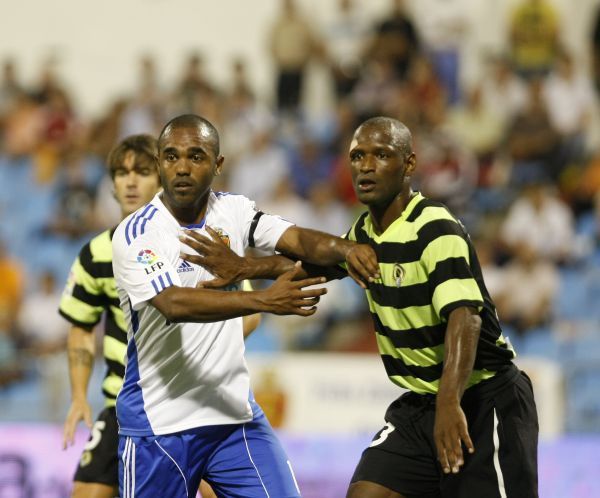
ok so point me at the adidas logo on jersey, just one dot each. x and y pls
(184, 266)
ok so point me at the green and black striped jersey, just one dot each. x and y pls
(90, 291)
(428, 268)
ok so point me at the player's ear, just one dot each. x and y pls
(411, 164)
(219, 165)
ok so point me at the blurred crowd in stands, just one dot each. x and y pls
(512, 153)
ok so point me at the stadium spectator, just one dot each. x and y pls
(45, 336)
(534, 33)
(395, 39)
(540, 219)
(292, 44)
(533, 144)
(530, 285)
(345, 42)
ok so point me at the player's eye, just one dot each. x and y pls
(170, 156)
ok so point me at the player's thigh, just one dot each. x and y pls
(99, 460)
(155, 466)
(401, 458)
(365, 489)
(253, 459)
(504, 431)
(93, 490)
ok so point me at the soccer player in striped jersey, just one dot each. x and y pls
(468, 424)
(90, 294)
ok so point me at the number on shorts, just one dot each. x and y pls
(383, 435)
(96, 435)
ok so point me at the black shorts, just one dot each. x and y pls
(503, 426)
(99, 461)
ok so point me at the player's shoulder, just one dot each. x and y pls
(230, 199)
(146, 221)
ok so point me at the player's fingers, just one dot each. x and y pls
(455, 455)
(215, 236)
(192, 258)
(369, 262)
(357, 278)
(308, 293)
(307, 282)
(309, 301)
(69, 432)
(466, 439)
(87, 417)
(443, 459)
(305, 311)
(215, 283)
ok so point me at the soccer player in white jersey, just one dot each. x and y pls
(186, 411)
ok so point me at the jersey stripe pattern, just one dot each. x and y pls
(428, 268)
(91, 293)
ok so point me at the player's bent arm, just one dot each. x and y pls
(285, 296)
(460, 348)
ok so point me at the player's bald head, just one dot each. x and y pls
(205, 128)
(397, 132)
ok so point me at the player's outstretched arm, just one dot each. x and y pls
(214, 255)
(460, 346)
(328, 251)
(287, 296)
(323, 249)
(80, 351)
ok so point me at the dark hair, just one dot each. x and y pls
(400, 134)
(192, 121)
(145, 145)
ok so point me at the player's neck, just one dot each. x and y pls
(383, 216)
(191, 214)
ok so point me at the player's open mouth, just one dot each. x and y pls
(365, 185)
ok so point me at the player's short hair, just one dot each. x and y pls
(193, 121)
(145, 145)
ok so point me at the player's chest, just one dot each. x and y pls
(191, 274)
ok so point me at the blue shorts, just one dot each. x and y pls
(239, 461)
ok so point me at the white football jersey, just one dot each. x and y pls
(182, 375)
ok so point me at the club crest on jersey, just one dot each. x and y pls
(224, 237)
(398, 274)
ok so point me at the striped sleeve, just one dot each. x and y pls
(83, 300)
(447, 262)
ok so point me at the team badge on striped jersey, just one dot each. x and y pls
(398, 274)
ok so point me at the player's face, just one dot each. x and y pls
(136, 181)
(380, 167)
(187, 165)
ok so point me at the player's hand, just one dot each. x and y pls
(79, 410)
(362, 264)
(450, 432)
(215, 256)
(288, 296)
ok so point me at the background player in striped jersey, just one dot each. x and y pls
(468, 424)
(89, 294)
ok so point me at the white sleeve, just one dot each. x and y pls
(143, 268)
(261, 230)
